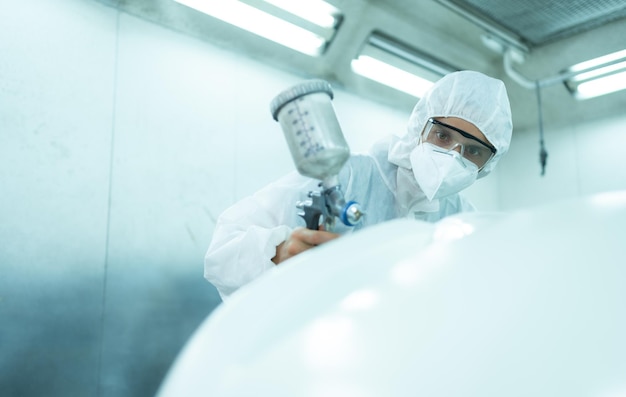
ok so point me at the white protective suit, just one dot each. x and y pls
(246, 234)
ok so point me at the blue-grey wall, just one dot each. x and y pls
(120, 143)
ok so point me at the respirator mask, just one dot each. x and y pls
(440, 172)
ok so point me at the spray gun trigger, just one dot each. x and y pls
(312, 209)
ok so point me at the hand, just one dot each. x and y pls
(300, 240)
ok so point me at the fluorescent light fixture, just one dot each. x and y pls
(603, 86)
(600, 61)
(262, 22)
(599, 76)
(398, 65)
(318, 12)
(391, 76)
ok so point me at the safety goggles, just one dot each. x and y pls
(450, 138)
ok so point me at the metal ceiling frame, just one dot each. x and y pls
(505, 35)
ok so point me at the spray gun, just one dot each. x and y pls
(318, 149)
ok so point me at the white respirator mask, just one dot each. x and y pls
(440, 172)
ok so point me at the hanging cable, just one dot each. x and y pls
(543, 154)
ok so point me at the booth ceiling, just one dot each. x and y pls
(538, 22)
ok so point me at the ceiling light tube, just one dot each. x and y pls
(318, 12)
(605, 59)
(261, 23)
(598, 76)
(398, 65)
(602, 86)
(391, 76)
(409, 54)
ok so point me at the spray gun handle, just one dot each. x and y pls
(329, 204)
(312, 209)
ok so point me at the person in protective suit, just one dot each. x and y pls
(456, 134)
